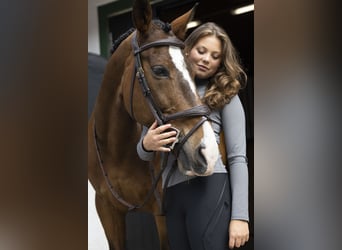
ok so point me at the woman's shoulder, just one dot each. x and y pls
(234, 102)
(235, 98)
(233, 106)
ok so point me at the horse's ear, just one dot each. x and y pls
(179, 24)
(142, 15)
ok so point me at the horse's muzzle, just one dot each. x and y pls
(201, 165)
(199, 160)
(195, 164)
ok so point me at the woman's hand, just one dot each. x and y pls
(238, 233)
(157, 137)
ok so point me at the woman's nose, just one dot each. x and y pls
(205, 59)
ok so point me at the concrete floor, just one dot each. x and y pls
(96, 236)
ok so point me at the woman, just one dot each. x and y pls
(209, 212)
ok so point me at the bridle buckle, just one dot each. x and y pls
(172, 145)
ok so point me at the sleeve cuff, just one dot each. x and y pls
(143, 153)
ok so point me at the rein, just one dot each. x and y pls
(130, 206)
(200, 110)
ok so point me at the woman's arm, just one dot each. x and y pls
(142, 152)
(233, 124)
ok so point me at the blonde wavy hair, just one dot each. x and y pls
(230, 77)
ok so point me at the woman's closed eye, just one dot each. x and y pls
(201, 51)
(213, 56)
(216, 57)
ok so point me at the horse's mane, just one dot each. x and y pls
(164, 26)
(118, 41)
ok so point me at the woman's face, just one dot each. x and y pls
(205, 56)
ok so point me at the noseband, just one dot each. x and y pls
(200, 110)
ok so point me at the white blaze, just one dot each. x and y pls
(210, 151)
(179, 62)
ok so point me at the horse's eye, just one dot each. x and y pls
(160, 71)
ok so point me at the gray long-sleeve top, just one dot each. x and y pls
(232, 120)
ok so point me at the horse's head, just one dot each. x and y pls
(167, 91)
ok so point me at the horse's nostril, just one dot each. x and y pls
(200, 158)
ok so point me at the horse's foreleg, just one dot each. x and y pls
(161, 227)
(113, 222)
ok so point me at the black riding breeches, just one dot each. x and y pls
(198, 213)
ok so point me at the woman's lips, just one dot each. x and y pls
(202, 68)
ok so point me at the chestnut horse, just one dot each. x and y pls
(146, 79)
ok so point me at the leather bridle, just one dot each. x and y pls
(161, 118)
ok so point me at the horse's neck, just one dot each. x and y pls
(111, 116)
(113, 123)
(117, 133)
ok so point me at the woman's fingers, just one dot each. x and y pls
(162, 134)
(158, 137)
(162, 144)
(162, 128)
(153, 126)
(238, 233)
(167, 135)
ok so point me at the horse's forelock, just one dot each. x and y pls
(166, 27)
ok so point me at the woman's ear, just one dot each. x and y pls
(179, 24)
